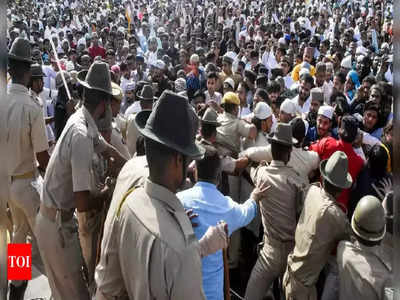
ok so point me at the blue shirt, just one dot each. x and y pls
(312, 135)
(212, 206)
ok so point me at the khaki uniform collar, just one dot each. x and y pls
(277, 163)
(162, 194)
(174, 206)
(16, 87)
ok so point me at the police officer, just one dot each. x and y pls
(26, 139)
(322, 224)
(228, 143)
(364, 266)
(149, 231)
(208, 135)
(146, 98)
(117, 139)
(279, 209)
(68, 185)
(36, 88)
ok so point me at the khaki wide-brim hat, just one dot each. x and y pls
(335, 170)
(21, 50)
(283, 135)
(210, 117)
(171, 123)
(146, 93)
(98, 78)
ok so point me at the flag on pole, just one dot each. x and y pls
(128, 14)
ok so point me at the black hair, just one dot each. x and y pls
(279, 151)
(212, 75)
(370, 79)
(209, 167)
(331, 189)
(342, 107)
(377, 160)
(273, 87)
(207, 130)
(110, 52)
(263, 94)
(92, 98)
(307, 78)
(257, 123)
(341, 76)
(130, 57)
(229, 107)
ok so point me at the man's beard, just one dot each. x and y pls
(106, 118)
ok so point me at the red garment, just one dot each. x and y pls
(327, 146)
(97, 51)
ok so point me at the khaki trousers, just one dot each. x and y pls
(60, 249)
(295, 290)
(89, 224)
(24, 203)
(270, 265)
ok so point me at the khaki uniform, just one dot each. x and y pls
(301, 160)
(245, 187)
(167, 264)
(70, 170)
(132, 134)
(230, 132)
(283, 201)
(5, 223)
(228, 164)
(89, 222)
(26, 136)
(321, 226)
(364, 272)
(119, 142)
(228, 142)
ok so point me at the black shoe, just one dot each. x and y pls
(18, 292)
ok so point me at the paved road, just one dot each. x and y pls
(38, 287)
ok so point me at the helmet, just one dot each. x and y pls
(368, 221)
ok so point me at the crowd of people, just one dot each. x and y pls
(201, 149)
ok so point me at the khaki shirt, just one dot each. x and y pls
(260, 141)
(228, 164)
(231, 130)
(25, 130)
(322, 225)
(364, 272)
(118, 141)
(301, 160)
(70, 168)
(149, 250)
(282, 201)
(132, 134)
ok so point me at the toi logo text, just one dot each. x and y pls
(19, 264)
